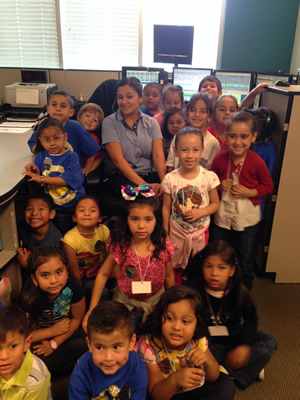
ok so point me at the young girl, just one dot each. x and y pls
(141, 253)
(86, 245)
(175, 351)
(57, 170)
(152, 95)
(172, 98)
(231, 315)
(56, 306)
(190, 197)
(244, 177)
(224, 107)
(173, 122)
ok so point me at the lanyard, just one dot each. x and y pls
(238, 168)
(216, 318)
(140, 269)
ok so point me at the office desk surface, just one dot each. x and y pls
(14, 155)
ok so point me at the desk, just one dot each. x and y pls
(14, 155)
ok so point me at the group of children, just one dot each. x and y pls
(191, 337)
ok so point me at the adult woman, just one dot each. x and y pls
(133, 142)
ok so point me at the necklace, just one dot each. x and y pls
(87, 233)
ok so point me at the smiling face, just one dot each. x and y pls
(89, 120)
(51, 277)
(172, 100)
(175, 123)
(128, 101)
(110, 351)
(152, 99)
(211, 89)
(179, 324)
(12, 352)
(60, 108)
(225, 108)
(53, 139)
(38, 214)
(239, 139)
(217, 272)
(198, 115)
(87, 215)
(141, 222)
(189, 151)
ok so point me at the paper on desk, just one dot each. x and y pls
(16, 124)
(13, 130)
(27, 96)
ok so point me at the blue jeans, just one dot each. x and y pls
(262, 350)
(243, 243)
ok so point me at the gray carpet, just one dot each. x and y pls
(279, 314)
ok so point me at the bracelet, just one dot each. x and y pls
(42, 181)
(53, 344)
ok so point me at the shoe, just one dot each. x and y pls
(261, 375)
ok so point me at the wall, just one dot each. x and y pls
(295, 64)
(259, 35)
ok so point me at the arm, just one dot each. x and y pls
(93, 162)
(166, 211)
(48, 180)
(248, 100)
(170, 278)
(196, 213)
(159, 158)
(72, 259)
(23, 257)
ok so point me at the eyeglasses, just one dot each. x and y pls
(54, 139)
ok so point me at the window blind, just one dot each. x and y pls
(28, 33)
(99, 34)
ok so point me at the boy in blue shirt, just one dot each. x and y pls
(61, 107)
(111, 369)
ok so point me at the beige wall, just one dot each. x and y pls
(295, 63)
(73, 82)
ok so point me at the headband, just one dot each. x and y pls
(130, 193)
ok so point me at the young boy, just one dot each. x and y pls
(111, 369)
(90, 116)
(22, 374)
(152, 96)
(212, 86)
(61, 107)
(40, 230)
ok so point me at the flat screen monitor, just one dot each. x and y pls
(268, 78)
(189, 79)
(235, 83)
(173, 44)
(34, 76)
(144, 74)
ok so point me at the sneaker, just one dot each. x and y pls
(261, 375)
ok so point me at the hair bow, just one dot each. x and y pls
(130, 193)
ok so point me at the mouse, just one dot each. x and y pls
(282, 83)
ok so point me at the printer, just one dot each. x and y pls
(28, 95)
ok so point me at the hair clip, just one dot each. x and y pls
(130, 193)
(40, 118)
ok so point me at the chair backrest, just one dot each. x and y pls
(105, 95)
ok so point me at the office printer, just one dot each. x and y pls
(28, 95)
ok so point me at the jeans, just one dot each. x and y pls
(262, 350)
(243, 243)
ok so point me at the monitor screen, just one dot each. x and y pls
(237, 84)
(268, 78)
(173, 44)
(189, 79)
(144, 74)
(34, 76)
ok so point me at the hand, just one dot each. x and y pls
(33, 176)
(85, 171)
(32, 168)
(193, 215)
(61, 327)
(157, 188)
(85, 320)
(238, 357)
(261, 87)
(226, 184)
(43, 349)
(22, 257)
(189, 377)
(242, 192)
(197, 357)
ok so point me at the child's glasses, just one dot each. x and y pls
(54, 139)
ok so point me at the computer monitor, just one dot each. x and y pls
(268, 78)
(235, 83)
(144, 74)
(189, 79)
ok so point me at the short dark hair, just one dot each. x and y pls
(109, 316)
(132, 82)
(46, 123)
(13, 319)
(62, 93)
(242, 116)
(188, 130)
(200, 96)
(211, 78)
(155, 86)
(41, 196)
(93, 198)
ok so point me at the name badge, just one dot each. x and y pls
(141, 287)
(218, 330)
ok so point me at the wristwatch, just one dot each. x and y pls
(53, 344)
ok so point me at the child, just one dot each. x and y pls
(152, 95)
(142, 254)
(22, 374)
(90, 116)
(231, 315)
(57, 170)
(56, 306)
(61, 107)
(244, 177)
(39, 229)
(173, 122)
(87, 243)
(224, 107)
(199, 112)
(111, 369)
(212, 86)
(172, 98)
(190, 197)
(175, 351)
